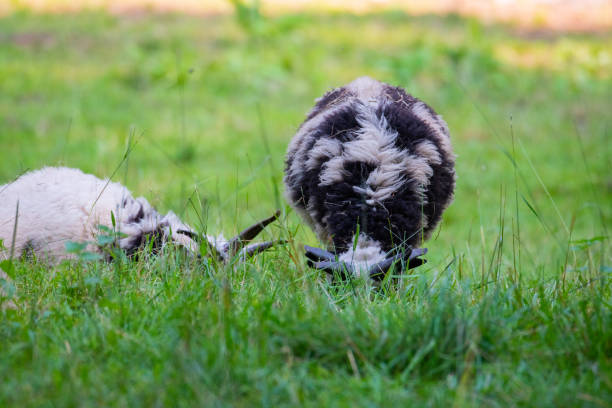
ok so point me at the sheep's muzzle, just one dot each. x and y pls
(407, 258)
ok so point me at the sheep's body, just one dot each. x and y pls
(372, 159)
(59, 204)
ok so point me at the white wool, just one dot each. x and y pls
(436, 123)
(367, 89)
(364, 89)
(324, 148)
(333, 171)
(363, 255)
(428, 150)
(374, 145)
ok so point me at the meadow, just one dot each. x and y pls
(513, 307)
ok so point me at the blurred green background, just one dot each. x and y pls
(208, 105)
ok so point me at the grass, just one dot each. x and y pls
(512, 309)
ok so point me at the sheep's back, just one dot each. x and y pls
(56, 205)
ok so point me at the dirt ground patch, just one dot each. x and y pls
(556, 15)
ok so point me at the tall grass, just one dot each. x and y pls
(167, 330)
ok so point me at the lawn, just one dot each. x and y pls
(513, 307)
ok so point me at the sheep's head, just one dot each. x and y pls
(372, 170)
(142, 225)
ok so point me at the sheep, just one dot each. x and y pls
(371, 169)
(44, 209)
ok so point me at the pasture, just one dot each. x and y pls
(513, 307)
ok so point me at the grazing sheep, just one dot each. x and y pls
(46, 208)
(371, 169)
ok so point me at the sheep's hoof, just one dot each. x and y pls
(326, 261)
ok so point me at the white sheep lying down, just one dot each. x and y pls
(44, 209)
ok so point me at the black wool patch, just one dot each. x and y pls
(411, 131)
(339, 125)
(135, 218)
(142, 240)
(328, 100)
(399, 96)
(439, 194)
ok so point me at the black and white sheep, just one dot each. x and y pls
(44, 209)
(371, 169)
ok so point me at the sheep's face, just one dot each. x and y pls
(371, 169)
(142, 226)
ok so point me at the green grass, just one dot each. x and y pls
(512, 309)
